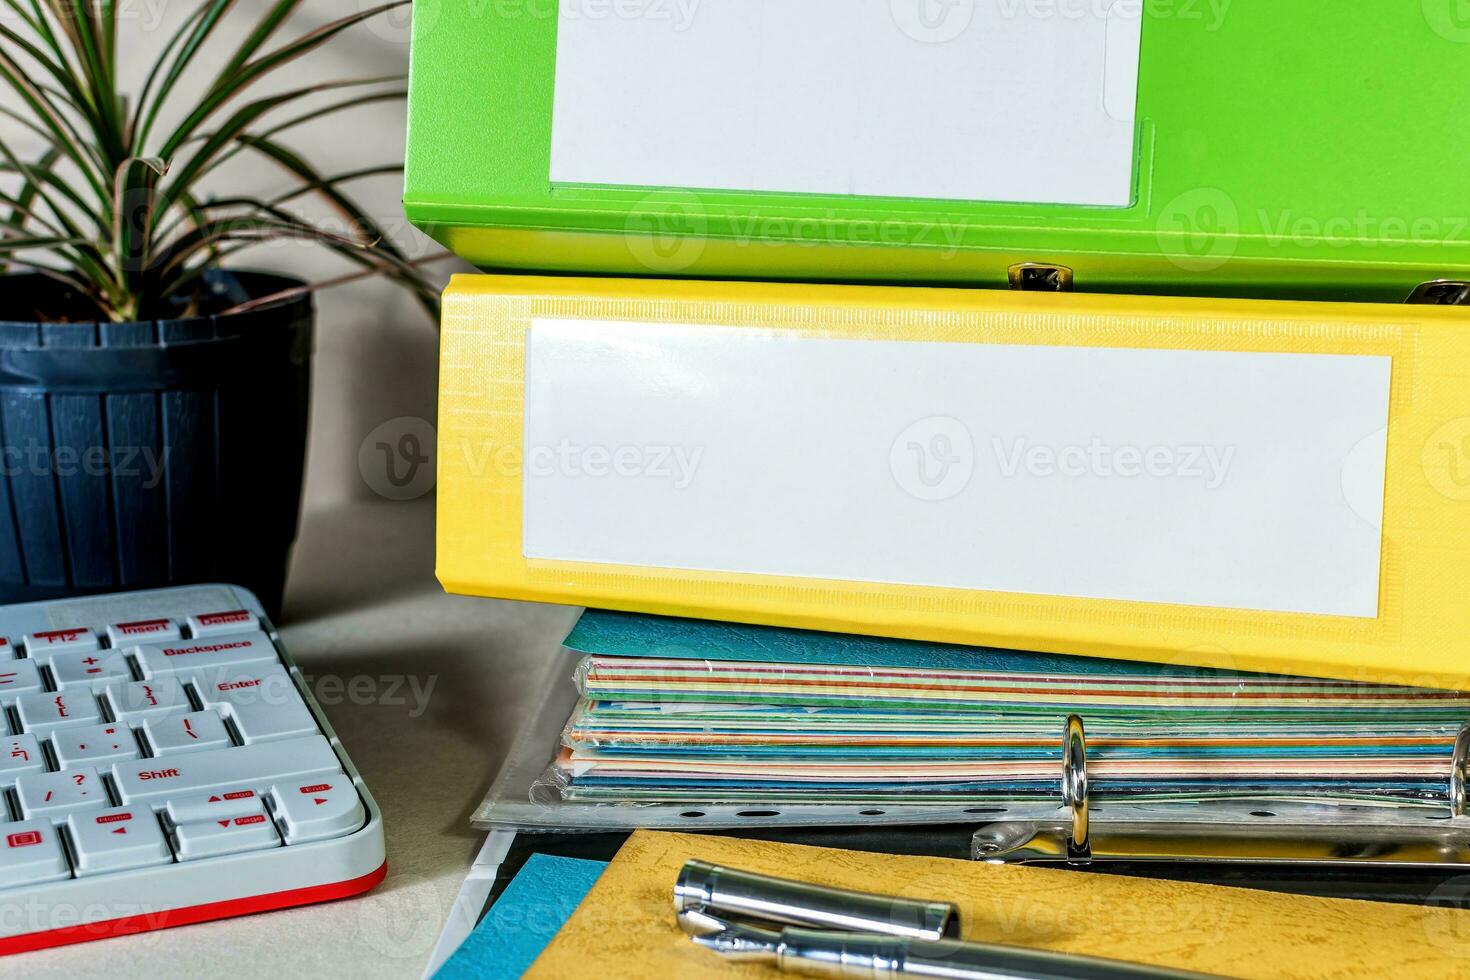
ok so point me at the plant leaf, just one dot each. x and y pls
(50, 272)
(29, 190)
(264, 29)
(46, 181)
(61, 134)
(97, 210)
(231, 85)
(19, 243)
(134, 198)
(25, 17)
(327, 189)
(86, 258)
(360, 100)
(57, 70)
(79, 22)
(22, 208)
(316, 287)
(276, 225)
(241, 120)
(38, 22)
(107, 17)
(23, 215)
(191, 34)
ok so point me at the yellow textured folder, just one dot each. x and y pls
(1255, 485)
(625, 929)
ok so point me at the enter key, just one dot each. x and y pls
(309, 810)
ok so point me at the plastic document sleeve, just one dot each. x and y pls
(1240, 484)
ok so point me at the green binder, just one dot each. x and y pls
(1215, 147)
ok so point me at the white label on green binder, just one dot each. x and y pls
(982, 100)
(1204, 478)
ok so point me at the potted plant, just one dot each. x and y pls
(153, 402)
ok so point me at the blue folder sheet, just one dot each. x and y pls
(528, 914)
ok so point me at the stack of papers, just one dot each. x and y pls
(720, 716)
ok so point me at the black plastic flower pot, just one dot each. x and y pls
(164, 452)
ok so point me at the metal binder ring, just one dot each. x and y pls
(1074, 785)
(1458, 764)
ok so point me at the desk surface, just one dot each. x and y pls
(422, 689)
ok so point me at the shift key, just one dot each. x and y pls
(174, 656)
(246, 767)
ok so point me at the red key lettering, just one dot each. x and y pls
(212, 648)
(59, 636)
(234, 616)
(143, 626)
(159, 774)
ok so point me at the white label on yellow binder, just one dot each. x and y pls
(998, 100)
(1206, 478)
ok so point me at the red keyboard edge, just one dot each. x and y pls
(133, 924)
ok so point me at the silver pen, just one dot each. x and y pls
(818, 953)
(731, 894)
(831, 932)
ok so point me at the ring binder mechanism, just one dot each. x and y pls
(1300, 835)
(1442, 292)
(1074, 788)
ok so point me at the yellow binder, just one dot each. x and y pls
(625, 930)
(1253, 485)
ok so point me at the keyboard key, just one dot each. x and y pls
(263, 702)
(40, 646)
(140, 699)
(212, 838)
(94, 745)
(18, 677)
(233, 621)
(122, 635)
(117, 840)
(161, 659)
(246, 767)
(213, 806)
(55, 795)
(318, 810)
(89, 668)
(159, 756)
(41, 714)
(241, 683)
(197, 731)
(19, 754)
(31, 853)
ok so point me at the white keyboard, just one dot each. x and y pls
(162, 763)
